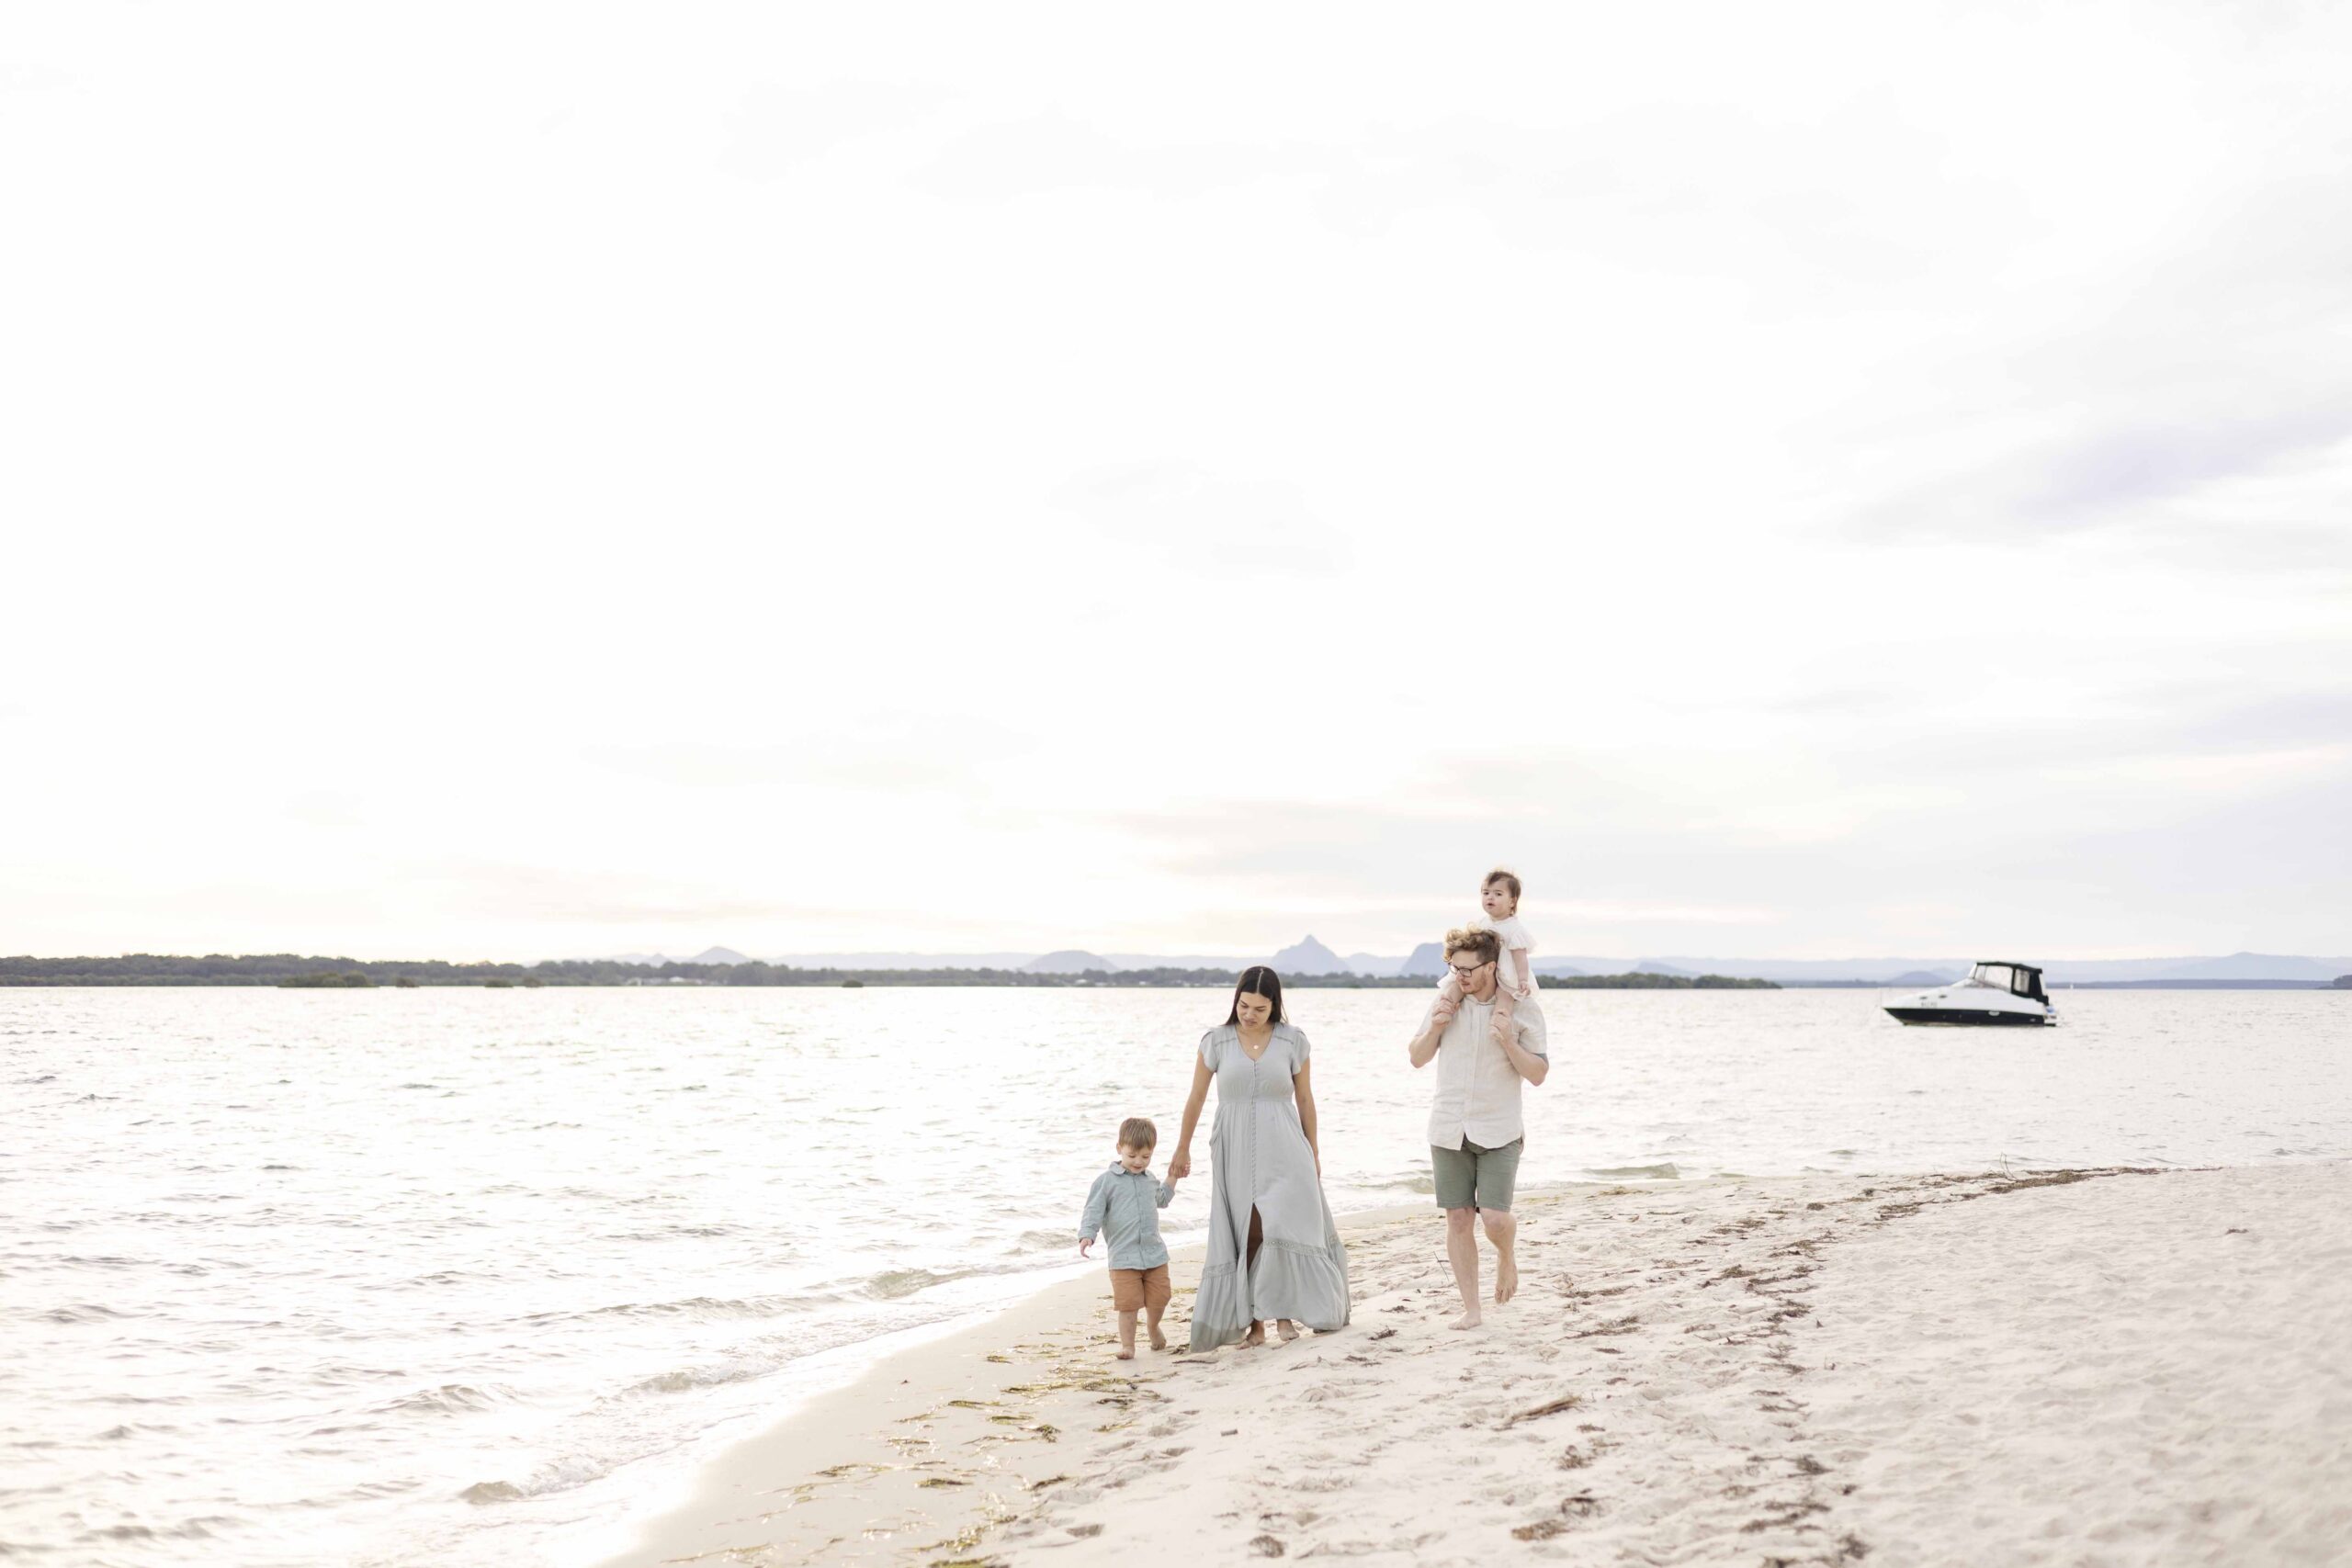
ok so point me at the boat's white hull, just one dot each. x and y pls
(1971, 1007)
(1960, 1017)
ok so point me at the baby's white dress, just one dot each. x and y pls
(1513, 935)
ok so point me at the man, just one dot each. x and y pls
(1475, 1128)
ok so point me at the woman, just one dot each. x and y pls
(1273, 1251)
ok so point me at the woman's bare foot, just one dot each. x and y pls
(1255, 1337)
(1286, 1328)
(1468, 1320)
(1505, 1279)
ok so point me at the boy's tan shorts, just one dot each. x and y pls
(1140, 1290)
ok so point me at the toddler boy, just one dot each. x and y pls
(1123, 1206)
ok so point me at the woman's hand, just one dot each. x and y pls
(1179, 1165)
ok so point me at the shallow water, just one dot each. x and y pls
(473, 1277)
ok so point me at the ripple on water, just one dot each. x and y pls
(449, 1399)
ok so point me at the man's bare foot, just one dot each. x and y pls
(1126, 1352)
(1468, 1320)
(1255, 1337)
(1505, 1280)
(1286, 1328)
(1159, 1340)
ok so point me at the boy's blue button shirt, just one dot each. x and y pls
(1123, 1207)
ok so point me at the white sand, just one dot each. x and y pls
(2128, 1369)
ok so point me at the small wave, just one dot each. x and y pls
(1635, 1172)
(449, 1399)
(1031, 1241)
(88, 1312)
(693, 1306)
(692, 1377)
(369, 1490)
(560, 1476)
(672, 1233)
(898, 1282)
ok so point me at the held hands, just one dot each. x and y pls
(1179, 1165)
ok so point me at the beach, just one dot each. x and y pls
(2102, 1366)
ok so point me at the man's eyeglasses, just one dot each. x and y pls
(1465, 974)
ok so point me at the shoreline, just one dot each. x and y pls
(2041, 1367)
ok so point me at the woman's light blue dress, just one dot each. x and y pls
(1258, 1158)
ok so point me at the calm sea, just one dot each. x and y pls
(479, 1277)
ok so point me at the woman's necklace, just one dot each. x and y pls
(1261, 1050)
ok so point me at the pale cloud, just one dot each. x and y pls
(1176, 515)
(812, 481)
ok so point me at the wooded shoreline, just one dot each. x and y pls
(297, 970)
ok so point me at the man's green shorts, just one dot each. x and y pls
(1473, 1177)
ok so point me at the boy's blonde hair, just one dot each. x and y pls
(1484, 943)
(1138, 1132)
(1507, 878)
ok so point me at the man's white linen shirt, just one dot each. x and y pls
(1477, 1088)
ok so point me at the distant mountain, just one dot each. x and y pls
(1069, 961)
(2253, 966)
(1800, 971)
(902, 960)
(1426, 961)
(1557, 967)
(1307, 957)
(716, 955)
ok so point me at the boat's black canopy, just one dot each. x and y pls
(2022, 979)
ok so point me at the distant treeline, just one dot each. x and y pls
(297, 970)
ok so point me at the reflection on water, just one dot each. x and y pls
(460, 1276)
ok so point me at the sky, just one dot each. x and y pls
(512, 481)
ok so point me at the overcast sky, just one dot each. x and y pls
(503, 480)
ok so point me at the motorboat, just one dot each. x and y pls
(1994, 993)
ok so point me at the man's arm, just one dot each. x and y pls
(1533, 1066)
(1423, 1048)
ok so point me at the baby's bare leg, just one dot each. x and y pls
(1450, 988)
(1506, 1008)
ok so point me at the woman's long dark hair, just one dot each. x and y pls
(1257, 981)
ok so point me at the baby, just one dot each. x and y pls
(1514, 981)
(1123, 1206)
